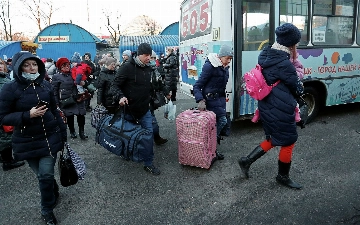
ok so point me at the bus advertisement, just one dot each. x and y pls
(328, 48)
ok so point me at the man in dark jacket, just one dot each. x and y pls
(132, 86)
(171, 68)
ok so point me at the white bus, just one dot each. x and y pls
(329, 47)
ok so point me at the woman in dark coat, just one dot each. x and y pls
(65, 88)
(105, 79)
(277, 110)
(209, 90)
(29, 105)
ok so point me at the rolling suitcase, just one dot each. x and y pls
(196, 133)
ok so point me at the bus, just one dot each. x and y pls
(328, 49)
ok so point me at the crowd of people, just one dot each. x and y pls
(42, 89)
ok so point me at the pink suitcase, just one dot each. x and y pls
(196, 132)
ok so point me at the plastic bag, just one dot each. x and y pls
(170, 110)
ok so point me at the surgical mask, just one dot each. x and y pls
(152, 63)
(30, 76)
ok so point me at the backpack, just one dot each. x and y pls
(256, 85)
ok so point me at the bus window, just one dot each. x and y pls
(358, 28)
(296, 12)
(333, 24)
(256, 15)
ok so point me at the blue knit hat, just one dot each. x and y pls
(287, 35)
(76, 58)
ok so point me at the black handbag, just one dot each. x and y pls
(159, 99)
(67, 171)
(304, 112)
(67, 102)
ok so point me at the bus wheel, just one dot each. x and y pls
(312, 98)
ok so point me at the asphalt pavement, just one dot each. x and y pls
(325, 162)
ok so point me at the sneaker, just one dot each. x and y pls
(50, 219)
(152, 169)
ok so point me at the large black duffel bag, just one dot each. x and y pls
(122, 137)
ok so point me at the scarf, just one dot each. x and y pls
(138, 61)
(280, 47)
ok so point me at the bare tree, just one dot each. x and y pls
(6, 34)
(113, 26)
(41, 11)
(143, 25)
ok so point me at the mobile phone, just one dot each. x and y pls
(42, 103)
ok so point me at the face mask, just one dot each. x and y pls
(152, 63)
(30, 76)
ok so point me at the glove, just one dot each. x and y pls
(202, 105)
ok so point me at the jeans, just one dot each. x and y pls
(220, 124)
(146, 122)
(44, 169)
(155, 125)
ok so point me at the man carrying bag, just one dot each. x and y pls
(132, 86)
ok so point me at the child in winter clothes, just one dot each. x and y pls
(79, 72)
(300, 72)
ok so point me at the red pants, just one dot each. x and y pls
(285, 151)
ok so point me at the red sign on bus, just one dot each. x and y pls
(195, 19)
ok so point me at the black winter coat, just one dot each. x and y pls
(171, 67)
(5, 138)
(104, 96)
(277, 110)
(133, 82)
(211, 86)
(157, 86)
(33, 137)
(64, 87)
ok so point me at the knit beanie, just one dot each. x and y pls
(109, 60)
(127, 52)
(144, 48)
(76, 58)
(226, 50)
(287, 35)
(61, 61)
(88, 54)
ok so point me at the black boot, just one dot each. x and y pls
(283, 176)
(56, 193)
(73, 134)
(82, 134)
(12, 165)
(219, 156)
(159, 140)
(245, 162)
(8, 162)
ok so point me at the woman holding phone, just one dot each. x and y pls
(29, 105)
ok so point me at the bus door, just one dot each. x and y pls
(254, 29)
